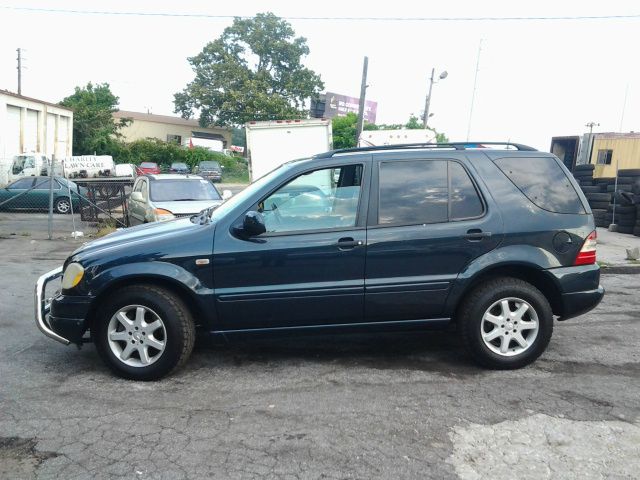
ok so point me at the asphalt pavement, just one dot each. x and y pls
(339, 407)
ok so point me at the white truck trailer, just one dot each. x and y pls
(274, 142)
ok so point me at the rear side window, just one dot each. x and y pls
(543, 182)
(426, 191)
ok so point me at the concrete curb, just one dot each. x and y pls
(620, 270)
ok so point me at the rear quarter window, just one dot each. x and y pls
(543, 182)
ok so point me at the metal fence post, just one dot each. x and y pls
(51, 177)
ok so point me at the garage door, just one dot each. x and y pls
(63, 135)
(51, 135)
(31, 131)
(12, 140)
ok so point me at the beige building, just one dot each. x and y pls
(614, 150)
(169, 129)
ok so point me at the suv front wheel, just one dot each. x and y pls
(144, 332)
(506, 323)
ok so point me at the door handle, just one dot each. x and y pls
(475, 235)
(348, 243)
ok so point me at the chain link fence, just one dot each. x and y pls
(48, 205)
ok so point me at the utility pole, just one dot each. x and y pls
(591, 125)
(427, 101)
(363, 93)
(19, 50)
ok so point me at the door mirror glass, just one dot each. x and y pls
(137, 196)
(226, 194)
(253, 224)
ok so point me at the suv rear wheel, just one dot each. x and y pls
(506, 323)
(144, 332)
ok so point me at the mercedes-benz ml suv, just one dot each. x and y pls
(496, 239)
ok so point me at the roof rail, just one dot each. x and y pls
(409, 146)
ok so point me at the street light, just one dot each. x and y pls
(427, 102)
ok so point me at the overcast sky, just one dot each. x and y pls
(537, 79)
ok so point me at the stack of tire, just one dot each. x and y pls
(596, 192)
(627, 197)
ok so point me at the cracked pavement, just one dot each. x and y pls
(352, 406)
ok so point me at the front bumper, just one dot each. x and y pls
(61, 318)
(43, 306)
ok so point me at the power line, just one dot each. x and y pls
(346, 19)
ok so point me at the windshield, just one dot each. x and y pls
(148, 165)
(178, 165)
(249, 192)
(20, 162)
(176, 190)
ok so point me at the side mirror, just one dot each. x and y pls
(137, 196)
(253, 224)
(226, 194)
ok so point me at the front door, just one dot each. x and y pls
(308, 268)
(137, 209)
(427, 223)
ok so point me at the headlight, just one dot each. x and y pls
(72, 275)
(162, 214)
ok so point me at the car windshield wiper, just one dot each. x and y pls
(186, 200)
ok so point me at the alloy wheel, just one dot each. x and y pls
(509, 326)
(137, 336)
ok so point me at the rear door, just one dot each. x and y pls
(428, 218)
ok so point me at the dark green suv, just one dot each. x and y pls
(496, 239)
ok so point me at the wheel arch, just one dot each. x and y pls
(529, 273)
(188, 296)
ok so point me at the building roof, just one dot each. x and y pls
(30, 99)
(151, 117)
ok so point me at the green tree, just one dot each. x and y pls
(253, 71)
(344, 130)
(94, 128)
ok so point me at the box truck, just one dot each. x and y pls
(274, 142)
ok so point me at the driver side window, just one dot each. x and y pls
(320, 199)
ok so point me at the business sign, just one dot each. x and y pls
(339, 105)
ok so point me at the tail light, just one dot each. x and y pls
(587, 254)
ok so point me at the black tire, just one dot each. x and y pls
(604, 180)
(585, 167)
(62, 205)
(600, 197)
(476, 303)
(599, 205)
(583, 176)
(177, 323)
(622, 209)
(625, 229)
(626, 181)
(629, 172)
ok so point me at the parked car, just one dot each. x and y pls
(210, 170)
(32, 193)
(179, 167)
(167, 196)
(125, 170)
(148, 168)
(495, 241)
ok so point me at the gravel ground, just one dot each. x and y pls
(387, 406)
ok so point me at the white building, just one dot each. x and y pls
(30, 125)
